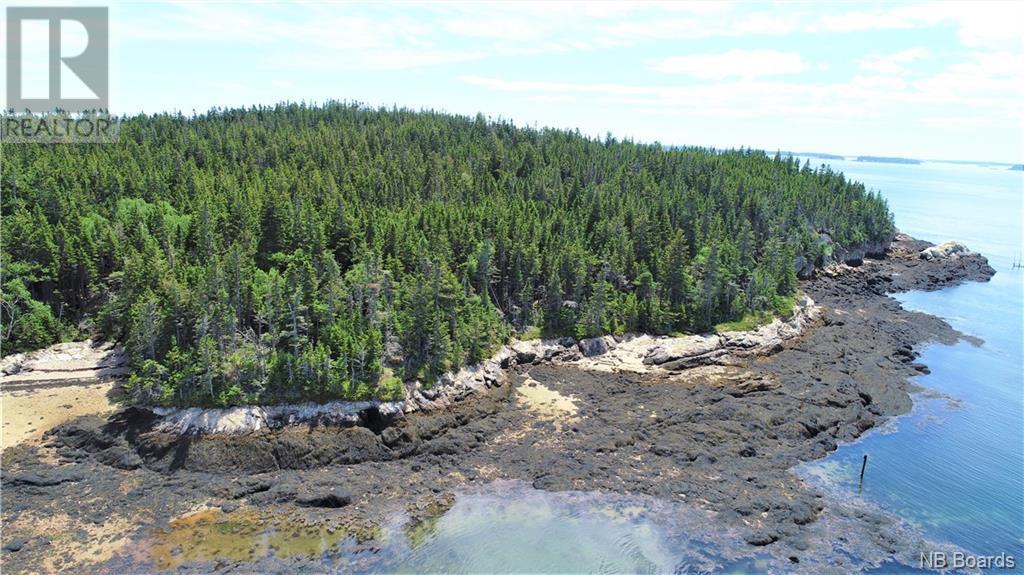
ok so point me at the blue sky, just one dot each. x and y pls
(927, 80)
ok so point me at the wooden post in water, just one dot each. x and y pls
(863, 466)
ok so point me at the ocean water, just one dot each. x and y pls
(954, 467)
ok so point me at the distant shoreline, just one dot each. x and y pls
(887, 160)
(900, 160)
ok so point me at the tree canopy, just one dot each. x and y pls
(295, 252)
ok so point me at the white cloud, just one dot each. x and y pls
(562, 87)
(768, 23)
(859, 21)
(226, 86)
(698, 26)
(992, 82)
(974, 56)
(495, 27)
(892, 63)
(313, 36)
(987, 88)
(380, 59)
(554, 98)
(734, 63)
(980, 24)
(994, 25)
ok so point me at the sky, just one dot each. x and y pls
(934, 80)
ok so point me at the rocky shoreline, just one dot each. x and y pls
(631, 352)
(712, 421)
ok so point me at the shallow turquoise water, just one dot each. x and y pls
(510, 527)
(954, 466)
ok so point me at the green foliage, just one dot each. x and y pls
(390, 388)
(25, 322)
(782, 306)
(289, 253)
(750, 320)
(531, 332)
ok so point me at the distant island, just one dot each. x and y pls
(816, 155)
(887, 160)
(1017, 167)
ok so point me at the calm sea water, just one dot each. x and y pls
(954, 466)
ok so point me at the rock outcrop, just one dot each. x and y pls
(64, 364)
(685, 352)
(642, 353)
(855, 254)
(596, 345)
(946, 250)
(251, 418)
(852, 255)
(449, 389)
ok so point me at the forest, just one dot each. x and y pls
(317, 252)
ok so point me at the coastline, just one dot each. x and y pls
(717, 431)
(635, 353)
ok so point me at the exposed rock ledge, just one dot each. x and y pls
(450, 388)
(250, 418)
(852, 255)
(636, 353)
(68, 363)
(946, 250)
(644, 353)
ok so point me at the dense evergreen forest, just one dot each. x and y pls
(287, 253)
